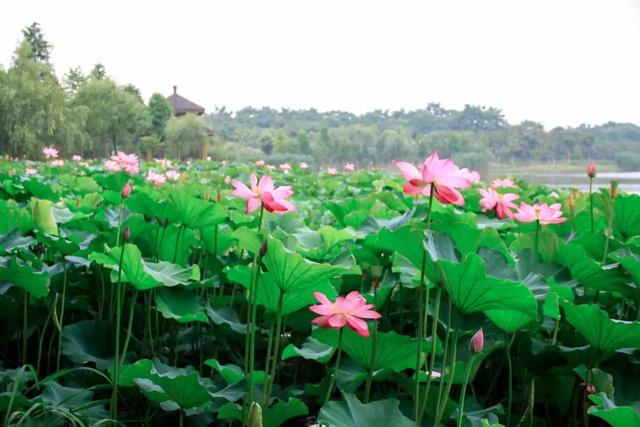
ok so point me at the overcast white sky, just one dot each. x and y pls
(556, 62)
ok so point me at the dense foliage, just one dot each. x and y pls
(171, 265)
(91, 115)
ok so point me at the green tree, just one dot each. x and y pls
(98, 72)
(74, 79)
(185, 135)
(40, 48)
(160, 112)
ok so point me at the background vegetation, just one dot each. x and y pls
(91, 114)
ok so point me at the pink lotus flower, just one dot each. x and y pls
(172, 175)
(471, 176)
(349, 310)
(50, 152)
(304, 165)
(591, 170)
(332, 171)
(123, 162)
(223, 162)
(156, 178)
(443, 175)
(227, 179)
(76, 158)
(58, 162)
(285, 167)
(31, 171)
(502, 203)
(476, 345)
(165, 163)
(540, 212)
(264, 193)
(126, 190)
(350, 167)
(260, 163)
(504, 183)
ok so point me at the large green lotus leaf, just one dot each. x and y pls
(143, 203)
(321, 244)
(548, 243)
(407, 241)
(277, 414)
(311, 349)
(226, 316)
(42, 211)
(80, 184)
(471, 290)
(40, 190)
(616, 416)
(352, 413)
(627, 215)
(180, 304)
(590, 273)
(468, 239)
(89, 341)
(291, 272)
(14, 217)
(24, 277)
(173, 388)
(630, 262)
(77, 400)
(141, 274)
(294, 299)
(248, 239)
(599, 330)
(213, 243)
(394, 351)
(231, 373)
(196, 213)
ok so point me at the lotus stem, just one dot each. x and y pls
(591, 201)
(116, 379)
(64, 293)
(537, 235)
(275, 360)
(432, 359)
(509, 377)
(463, 390)
(129, 327)
(335, 372)
(374, 351)
(25, 327)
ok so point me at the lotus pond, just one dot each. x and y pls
(354, 298)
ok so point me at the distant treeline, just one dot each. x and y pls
(90, 114)
(473, 136)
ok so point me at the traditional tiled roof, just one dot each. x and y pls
(182, 105)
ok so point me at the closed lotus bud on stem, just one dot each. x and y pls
(126, 190)
(614, 188)
(126, 234)
(591, 170)
(255, 415)
(263, 249)
(477, 342)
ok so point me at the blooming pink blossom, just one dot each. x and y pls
(57, 162)
(440, 174)
(285, 167)
(304, 165)
(263, 192)
(260, 163)
(76, 158)
(123, 162)
(502, 203)
(156, 178)
(50, 152)
(469, 175)
(349, 167)
(540, 212)
(504, 183)
(172, 175)
(31, 171)
(165, 163)
(349, 310)
(332, 171)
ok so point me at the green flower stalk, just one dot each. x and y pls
(476, 346)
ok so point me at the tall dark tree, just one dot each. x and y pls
(40, 48)
(74, 79)
(160, 112)
(98, 72)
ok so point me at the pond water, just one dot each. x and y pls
(629, 181)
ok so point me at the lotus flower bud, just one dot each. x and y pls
(477, 342)
(263, 249)
(591, 170)
(227, 179)
(614, 188)
(126, 190)
(126, 234)
(255, 415)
